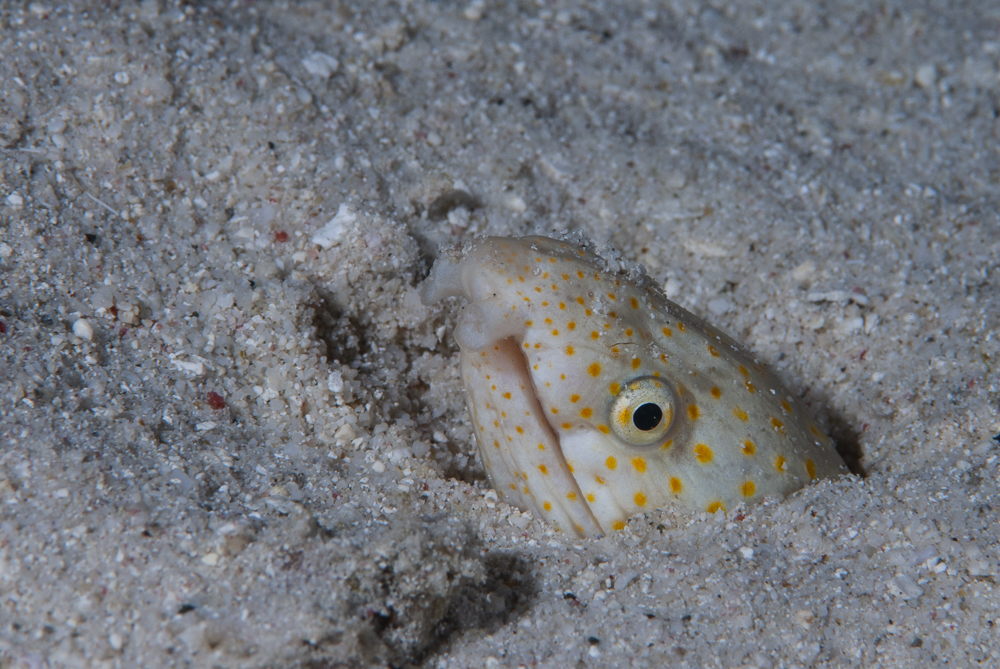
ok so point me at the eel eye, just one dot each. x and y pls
(643, 411)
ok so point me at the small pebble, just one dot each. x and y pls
(905, 587)
(926, 76)
(83, 329)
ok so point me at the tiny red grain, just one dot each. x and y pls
(215, 400)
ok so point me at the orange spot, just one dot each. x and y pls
(571, 496)
(624, 416)
(779, 463)
(618, 525)
(579, 274)
(778, 425)
(811, 469)
(675, 485)
(547, 506)
(562, 305)
(496, 443)
(528, 323)
(716, 393)
(603, 428)
(538, 289)
(513, 486)
(594, 335)
(571, 325)
(569, 350)
(574, 398)
(634, 302)
(548, 321)
(600, 480)
(812, 428)
(667, 332)
(667, 444)
(639, 464)
(703, 453)
(521, 279)
(569, 466)
(636, 362)
(543, 469)
(588, 312)
(612, 314)
(748, 448)
(555, 333)
(611, 295)
(611, 462)
(579, 300)
(594, 369)
(628, 332)
(744, 372)
(741, 414)
(541, 447)
(750, 387)
(586, 412)
(713, 351)
(681, 326)
(520, 430)
(554, 410)
(715, 506)
(786, 406)
(506, 396)
(615, 388)
(591, 497)
(693, 411)
(640, 499)
(747, 489)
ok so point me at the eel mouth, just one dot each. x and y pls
(510, 348)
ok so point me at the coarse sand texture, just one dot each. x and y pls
(232, 434)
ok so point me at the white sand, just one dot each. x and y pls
(232, 437)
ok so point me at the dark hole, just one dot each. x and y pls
(647, 416)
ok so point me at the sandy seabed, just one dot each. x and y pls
(231, 435)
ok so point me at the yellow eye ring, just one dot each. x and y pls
(643, 411)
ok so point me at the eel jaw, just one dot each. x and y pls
(510, 431)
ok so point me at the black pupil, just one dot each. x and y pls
(647, 416)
